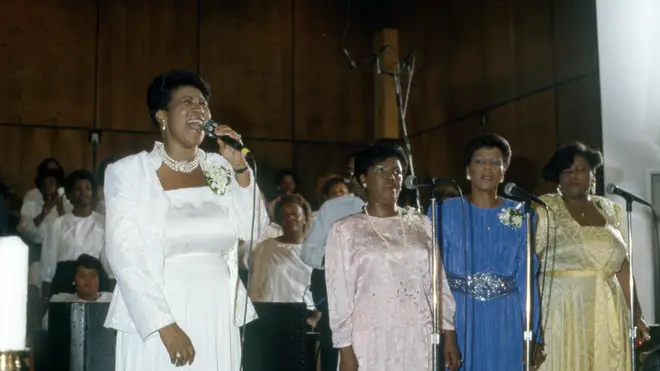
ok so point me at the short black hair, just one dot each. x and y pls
(489, 140)
(57, 174)
(100, 172)
(327, 186)
(376, 153)
(43, 165)
(81, 174)
(284, 173)
(90, 262)
(159, 93)
(291, 199)
(564, 157)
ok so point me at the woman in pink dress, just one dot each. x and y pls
(379, 278)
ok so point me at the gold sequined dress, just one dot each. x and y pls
(584, 316)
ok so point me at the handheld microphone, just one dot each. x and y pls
(512, 190)
(613, 189)
(412, 182)
(209, 129)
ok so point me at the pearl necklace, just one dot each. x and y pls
(178, 166)
(403, 230)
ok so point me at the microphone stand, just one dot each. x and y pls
(435, 276)
(401, 105)
(631, 278)
(527, 334)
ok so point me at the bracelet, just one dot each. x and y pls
(241, 170)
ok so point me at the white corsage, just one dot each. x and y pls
(218, 177)
(512, 217)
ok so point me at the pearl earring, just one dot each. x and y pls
(467, 176)
(364, 185)
(164, 127)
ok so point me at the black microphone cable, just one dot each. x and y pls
(249, 259)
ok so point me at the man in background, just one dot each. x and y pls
(313, 254)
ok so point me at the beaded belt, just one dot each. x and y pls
(483, 286)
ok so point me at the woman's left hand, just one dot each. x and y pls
(235, 157)
(452, 354)
(642, 331)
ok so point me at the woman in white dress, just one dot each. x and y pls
(173, 220)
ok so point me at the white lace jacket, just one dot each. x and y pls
(136, 205)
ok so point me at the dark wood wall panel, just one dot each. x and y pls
(576, 38)
(47, 61)
(533, 40)
(499, 51)
(429, 103)
(245, 53)
(524, 69)
(327, 94)
(23, 148)
(483, 54)
(119, 144)
(578, 112)
(439, 153)
(466, 56)
(529, 126)
(138, 40)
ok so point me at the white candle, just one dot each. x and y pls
(13, 293)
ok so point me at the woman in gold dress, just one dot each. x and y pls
(585, 281)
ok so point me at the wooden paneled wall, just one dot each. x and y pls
(276, 67)
(527, 69)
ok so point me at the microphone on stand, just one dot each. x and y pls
(378, 69)
(209, 129)
(412, 182)
(351, 63)
(512, 190)
(613, 189)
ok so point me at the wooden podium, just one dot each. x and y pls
(77, 340)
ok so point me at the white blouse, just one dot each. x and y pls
(70, 236)
(278, 274)
(33, 204)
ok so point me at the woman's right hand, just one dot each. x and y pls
(178, 345)
(49, 204)
(347, 359)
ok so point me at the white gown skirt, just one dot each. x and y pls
(197, 288)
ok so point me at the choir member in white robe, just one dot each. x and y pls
(81, 231)
(42, 205)
(278, 273)
(91, 283)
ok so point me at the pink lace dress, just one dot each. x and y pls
(379, 297)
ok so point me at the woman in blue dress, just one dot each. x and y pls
(483, 241)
